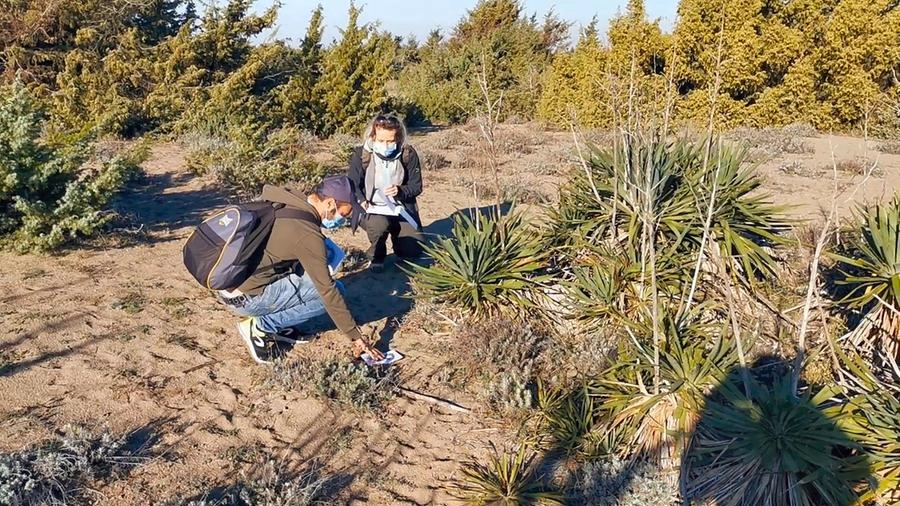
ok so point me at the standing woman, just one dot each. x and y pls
(385, 171)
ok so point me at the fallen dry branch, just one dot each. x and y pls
(412, 394)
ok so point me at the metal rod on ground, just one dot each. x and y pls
(433, 400)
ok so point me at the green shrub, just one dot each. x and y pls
(52, 191)
(350, 384)
(766, 143)
(245, 161)
(342, 146)
(891, 147)
(497, 40)
(503, 357)
(268, 484)
(616, 482)
(490, 266)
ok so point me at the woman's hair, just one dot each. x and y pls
(388, 122)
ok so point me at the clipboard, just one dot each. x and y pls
(392, 208)
(335, 255)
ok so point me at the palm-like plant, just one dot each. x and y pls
(571, 419)
(506, 479)
(485, 268)
(609, 284)
(773, 448)
(871, 271)
(658, 415)
(874, 422)
(669, 186)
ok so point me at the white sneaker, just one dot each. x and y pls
(291, 335)
(257, 341)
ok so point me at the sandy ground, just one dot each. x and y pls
(116, 333)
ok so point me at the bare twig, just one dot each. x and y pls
(487, 121)
(707, 225)
(412, 394)
(813, 276)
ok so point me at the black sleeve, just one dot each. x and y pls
(357, 174)
(412, 187)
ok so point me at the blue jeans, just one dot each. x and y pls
(285, 303)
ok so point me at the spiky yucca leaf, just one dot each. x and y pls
(670, 185)
(774, 448)
(607, 284)
(571, 419)
(693, 360)
(874, 422)
(872, 274)
(506, 479)
(484, 269)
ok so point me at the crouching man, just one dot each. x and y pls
(286, 279)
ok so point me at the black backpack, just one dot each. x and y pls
(225, 250)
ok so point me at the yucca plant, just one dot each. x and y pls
(773, 448)
(874, 422)
(870, 269)
(486, 268)
(609, 284)
(658, 419)
(668, 185)
(508, 479)
(571, 420)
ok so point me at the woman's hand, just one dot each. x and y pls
(392, 191)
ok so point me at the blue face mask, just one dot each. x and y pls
(385, 149)
(337, 222)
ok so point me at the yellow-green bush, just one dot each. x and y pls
(495, 41)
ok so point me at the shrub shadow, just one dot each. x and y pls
(444, 227)
(641, 481)
(163, 202)
(766, 372)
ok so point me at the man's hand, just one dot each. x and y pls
(392, 191)
(360, 347)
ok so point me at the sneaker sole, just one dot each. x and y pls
(250, 347)
(288, 340)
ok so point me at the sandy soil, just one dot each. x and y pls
(116, 333)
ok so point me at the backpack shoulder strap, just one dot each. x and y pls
(406, 155)
(286, 211)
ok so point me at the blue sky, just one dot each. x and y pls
(418, 17)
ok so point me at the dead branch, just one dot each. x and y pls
(412, 394)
